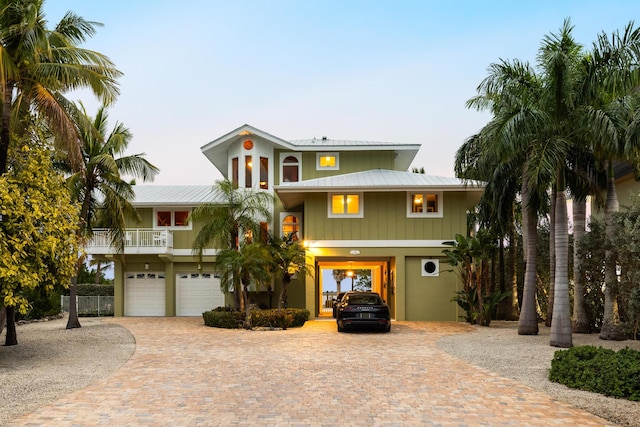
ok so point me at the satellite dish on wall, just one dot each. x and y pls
(430, 267)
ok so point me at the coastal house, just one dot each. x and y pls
(353, 204)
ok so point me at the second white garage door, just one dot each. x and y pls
(197, 293)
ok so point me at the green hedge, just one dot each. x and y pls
(92, 290)
(599, 370)
(224, 317)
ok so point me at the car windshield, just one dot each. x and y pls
(364, 300)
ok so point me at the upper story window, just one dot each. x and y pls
(346, 205)
(172, 218)
(327, 161)
(234, 172)
(424, 204)
(264, 173)
(291, 167)
(248, 168)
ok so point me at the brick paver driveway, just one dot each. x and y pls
(186, 374)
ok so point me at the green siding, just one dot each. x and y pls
(429, 298)
(385, 218)
(349, 162)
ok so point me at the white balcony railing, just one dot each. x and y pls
(136, 241)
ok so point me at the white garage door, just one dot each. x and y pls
(144, 294)
(197, 293)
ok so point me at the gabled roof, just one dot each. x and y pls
(292, 193)
(172, 195)
(216, 150)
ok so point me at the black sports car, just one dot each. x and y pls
(363, 309)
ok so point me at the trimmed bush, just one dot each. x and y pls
(226, 317)
(223, 319)
(598, 370)
(299, 315)
(92, 290)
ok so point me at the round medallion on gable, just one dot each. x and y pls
(248, 144)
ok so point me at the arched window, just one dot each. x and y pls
(290, 169)
(290, 224)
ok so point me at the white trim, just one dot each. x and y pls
(173, 210)
(283, 156)
(438, 214)
(378, 243)
(189, 252)
(360, 213)
(321, 154)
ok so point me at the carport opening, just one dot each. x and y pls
(336, 277)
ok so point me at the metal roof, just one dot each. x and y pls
(292, 193)
(342, 143)
(380, 180)
(217, 150)
(172, 195)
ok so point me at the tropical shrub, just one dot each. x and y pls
(598, 370)
(228, 318)
(223, 319)
(271, 319)
(472, 256)
(42, 303)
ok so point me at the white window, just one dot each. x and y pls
(346, 205)
(424, 204)
(172, 218)
(327, 161)
(290, 167)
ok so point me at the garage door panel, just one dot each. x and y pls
(197, 293)
(144, 294)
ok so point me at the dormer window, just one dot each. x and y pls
(327, 161)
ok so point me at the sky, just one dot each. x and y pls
(389, 71)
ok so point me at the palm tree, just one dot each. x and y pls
(99, 186)
(496, 208)
(249, 263)
(511, 91)
(338, 276)
(37, 66)
(287, 258)
(613, 78)
(234, 212)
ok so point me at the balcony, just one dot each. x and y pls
(136, 241)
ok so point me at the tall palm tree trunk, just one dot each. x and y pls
(282, 300)
(514, 307)
(528, 321)
(552, 258)
(561, 325)
(11, 338)
(611, 322)
(580, 320)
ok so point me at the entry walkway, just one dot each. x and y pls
(186, 374)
